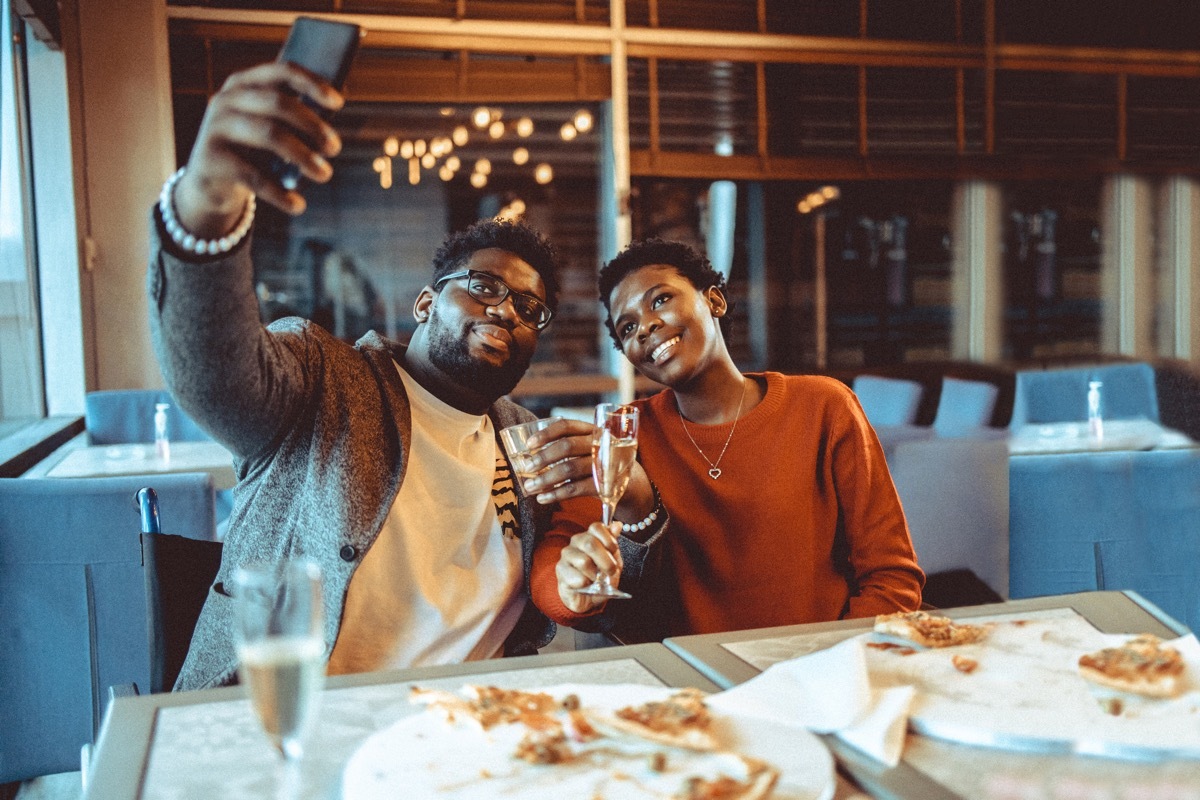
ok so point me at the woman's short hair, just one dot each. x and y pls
(689, 263)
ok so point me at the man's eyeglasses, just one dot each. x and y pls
(491, 291)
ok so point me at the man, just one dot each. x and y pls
(377, 461)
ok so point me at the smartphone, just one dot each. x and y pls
(322, 47)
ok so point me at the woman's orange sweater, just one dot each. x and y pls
(803, 524)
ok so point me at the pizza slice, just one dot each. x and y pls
(1143, 665)
(489, 705)
(928, 630)
(681, 720)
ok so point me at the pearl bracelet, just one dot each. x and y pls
(187, 242)
(637, 527)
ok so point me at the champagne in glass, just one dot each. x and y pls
(614, 449)
(281, 649)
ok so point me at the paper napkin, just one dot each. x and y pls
(827, 692)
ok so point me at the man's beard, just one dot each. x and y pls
(451, 354)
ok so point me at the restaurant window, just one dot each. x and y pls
(1051, 256)
(21, 391)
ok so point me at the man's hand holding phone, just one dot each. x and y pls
(265, 127)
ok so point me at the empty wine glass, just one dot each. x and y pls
(614, 449)
(281, 647)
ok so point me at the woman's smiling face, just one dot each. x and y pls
(666, 326)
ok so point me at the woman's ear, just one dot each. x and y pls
(716, 301)
(423, 304)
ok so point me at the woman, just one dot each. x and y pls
(781, 506)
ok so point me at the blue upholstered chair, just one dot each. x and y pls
(964, 407)
(1060, 395)
(73, 613)
(126, 416)
(888, 401)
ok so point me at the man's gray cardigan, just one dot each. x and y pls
(319, 429)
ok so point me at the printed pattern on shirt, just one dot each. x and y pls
(504, 495)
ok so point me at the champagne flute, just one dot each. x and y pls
(614, 449)
(281, 648)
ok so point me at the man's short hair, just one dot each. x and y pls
(690, 264)
(517, 238)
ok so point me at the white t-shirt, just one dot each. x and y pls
(442, 582)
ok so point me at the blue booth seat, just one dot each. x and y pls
(126, 416)
(888, 401)
(964, 407)
(1111, 520)
(1060, 395)
(73, 608)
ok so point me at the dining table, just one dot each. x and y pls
(109, 460)
(1078, 437)
(937, 769)
(207, 743)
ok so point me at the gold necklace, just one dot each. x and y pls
(714, 471)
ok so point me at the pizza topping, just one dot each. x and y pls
(928, 630)
(489, 706)
(1143, 665)
(964, 665)
(544, 747)
(685, 709)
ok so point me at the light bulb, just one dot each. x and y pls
(460, 136)
(583, 120)
(453, 163)
(419, 148)
(414, 171)
(391, 145)
(445, 173)
(567, 132)
(428, 160)
(483, 166)
(406, 149)
(481, 117)
(524, 127)
(478, 180)
(543, 174)
(520, 156)
(496, 129)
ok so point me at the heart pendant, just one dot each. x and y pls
(714, 473)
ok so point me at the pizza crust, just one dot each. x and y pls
(929, 630)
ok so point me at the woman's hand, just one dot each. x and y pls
(258, 114)
(589, 554)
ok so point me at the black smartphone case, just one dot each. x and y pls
(326, 49)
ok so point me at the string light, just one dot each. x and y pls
(406, 149)
(520, 156)
(483, 166)
(478, 180)
(543, 174)
(460, 136)
(481, 118)
(453, 163)
(419, 148)
(583, 120)
(567, 132)
(428, 160)
(391, 145)
(524, 127)
(445, 173)
(496, 129)
(414, 171)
